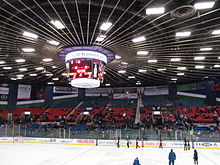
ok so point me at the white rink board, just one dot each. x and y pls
(94, 142)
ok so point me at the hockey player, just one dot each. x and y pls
(128, 141)
(136, 162)
(172, 157)
(185, 144)
(161, 142)
(137, 146)
(195, 157)
(118, 142)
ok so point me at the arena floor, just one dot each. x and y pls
(51, 154)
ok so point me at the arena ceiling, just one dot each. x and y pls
(159, 55)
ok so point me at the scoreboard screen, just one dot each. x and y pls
(85, 68)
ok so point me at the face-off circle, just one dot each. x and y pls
(86, 64)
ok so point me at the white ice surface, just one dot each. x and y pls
(51, 154)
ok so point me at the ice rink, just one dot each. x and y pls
(52, 154)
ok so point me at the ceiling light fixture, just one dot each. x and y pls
(215, 32)
(142, 52)
(31, 35)
(216, 66)
(175, 59)
(13, 79)
(7, 67)
(199, 66)
(158, 10)
(54, 67)
(198, 58)
(131, 77)
(151, 61)
(183, 34)
(28, 50)
(139, 39)
(122, 71)
(39, 68)
(50, 83)
(55, 79)
(142, 70)
(33, 74)
(124, 63)
(105, 26)
(47, 59)
(117, 57)
(57, 24)
(52, 42)
(22, 69)
(205, 49)
(204, 5)
(174, 79)
(181, 68)
(107, 84)
(20, 60)
(180, 74)
(64, 74)
(20, 75)
(161, 69)
(2, 62)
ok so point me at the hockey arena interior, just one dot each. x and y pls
(109, 82)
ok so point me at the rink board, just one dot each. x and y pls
(94, 142)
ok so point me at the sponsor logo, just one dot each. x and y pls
(85, 141)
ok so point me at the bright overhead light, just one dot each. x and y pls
(139, 39)
(174, 79)
(107, 84)
(199, 66)
(205, 49)
(31, 35)
(39, 68)
(7, 67)
(219, 58)
(124, 63)
(151, 61)
(57, 24)
(175, 59)
(181, 68)
(131, 77)
(2, 62)
(33, 74)
(50, 83)
(20, 60)
(138, 83)
(216, 66)
(105, 26)
(22, 69)
(47, 59)
(55, 79)
(158, 10)
(215, 32)
(20, 75)
(64, 74)
(142, 70)
(204, 5)
(161, 69)
(13, 79)
(52, 42)
(49, 74)
(180, 74)
(54, 67)
(183, 34)
(142, 52)
(122, 71)
(99, 39)
(117, 57)
(199, 58)
(28, 50)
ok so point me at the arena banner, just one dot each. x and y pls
(24, 92)
(97, 92)
(65, 90)
(4, 91)
(156, 90)
(125, 96)
(6, 140)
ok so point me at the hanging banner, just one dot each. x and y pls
(125, 96)
(66, 90)
(4, 91)
(156, 90)
(24, 92)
